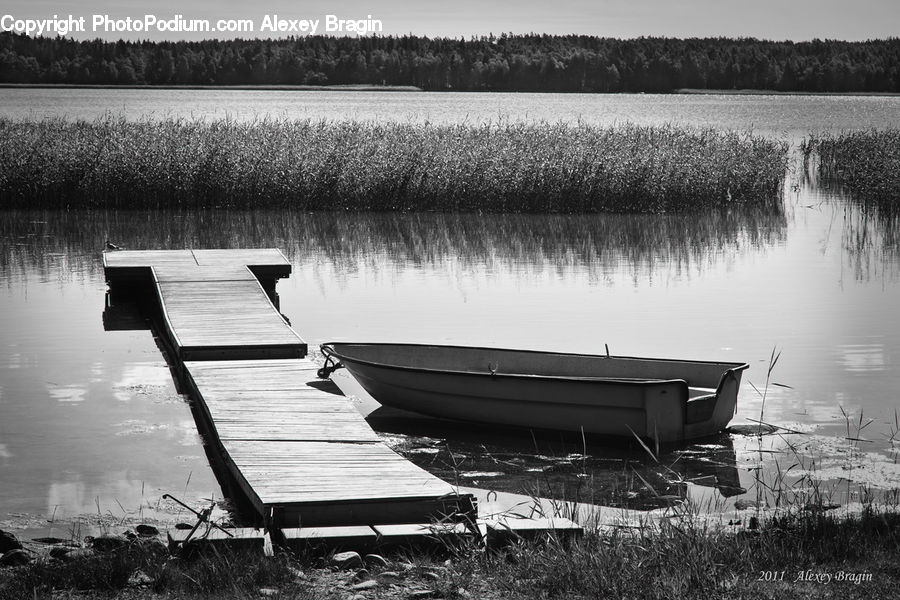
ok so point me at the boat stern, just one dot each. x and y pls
(709, 414)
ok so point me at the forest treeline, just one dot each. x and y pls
(506, 63)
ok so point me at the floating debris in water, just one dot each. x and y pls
(752, 429)
(137, 427)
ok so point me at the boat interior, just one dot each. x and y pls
(702, 377)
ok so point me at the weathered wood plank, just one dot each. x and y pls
(196, 273)
(241, 256)
(133, 265)
(229, 317)
(305, 453)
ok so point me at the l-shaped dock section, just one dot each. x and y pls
(298, 449)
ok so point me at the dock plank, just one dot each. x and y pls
(133, 265)
(225, 313)
(300, 448)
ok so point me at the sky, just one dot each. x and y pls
(796, 20)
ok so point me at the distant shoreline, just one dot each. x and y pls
(752, 92)
(411, 88)
(274, 88)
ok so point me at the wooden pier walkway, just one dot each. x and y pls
(302, 452)
(297, 448)
(216, 304)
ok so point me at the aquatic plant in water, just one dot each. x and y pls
(326, 165)
(866, 162)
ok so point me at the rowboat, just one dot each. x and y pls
(658, 399)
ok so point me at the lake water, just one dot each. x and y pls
(92, 427)
(783, 115)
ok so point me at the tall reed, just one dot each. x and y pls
(325, 165)
(866, 162)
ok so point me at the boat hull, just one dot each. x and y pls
(597, 395)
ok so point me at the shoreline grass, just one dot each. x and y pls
(325, 165)
(866, 162)
(800, 554)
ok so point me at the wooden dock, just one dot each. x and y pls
(301, 452)
(216, 304)
(297, 448)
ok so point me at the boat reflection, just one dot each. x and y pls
(558, 465)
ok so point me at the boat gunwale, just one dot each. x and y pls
(729, 366)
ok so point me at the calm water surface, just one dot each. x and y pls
(90, 420)
(92, 425)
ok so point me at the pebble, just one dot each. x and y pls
(346, 560)
(108, 543)
(421, 594)
(268, 592)
(376, 560)
(8, 542)
(430, 575)
(15, 558)
(60, 551)
(153, 547)
(297, 573)
(389, 575)
(361, 575)
(79, 553)
(139, 578)
(146, 530)
(365, 585)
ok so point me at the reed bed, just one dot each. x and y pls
(866, 162)
(326, 165)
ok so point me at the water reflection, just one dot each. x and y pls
(66, 244)
(862, 358)
(789, 467)
(63, 246)
(71, 393)
(871, 241)
(869, 235)
(612, 473)
(85, 402)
